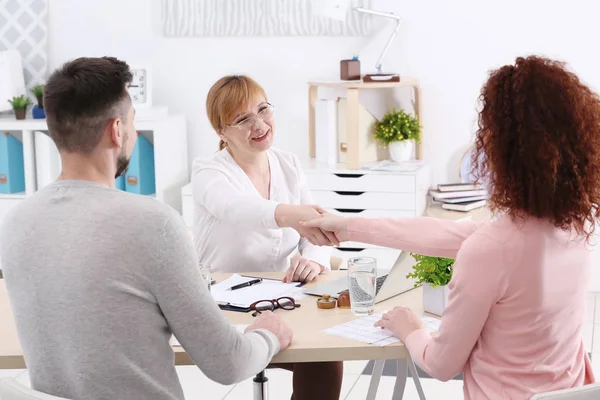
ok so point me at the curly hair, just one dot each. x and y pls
(538, 144)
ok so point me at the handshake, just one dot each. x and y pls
(318, 226)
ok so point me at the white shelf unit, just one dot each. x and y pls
(367, 193)
(168, 135)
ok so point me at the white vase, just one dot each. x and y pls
(401, 150)
(435, 300)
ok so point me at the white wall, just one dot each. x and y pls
(448, 44)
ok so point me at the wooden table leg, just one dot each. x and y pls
(352, 110)
(419, 146)
(312, 99)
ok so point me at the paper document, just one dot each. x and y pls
(240, 328)
(363, 330)
(266, 290)
(387, 165)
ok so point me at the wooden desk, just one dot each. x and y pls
(309, 344)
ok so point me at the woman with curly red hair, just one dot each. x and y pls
(517, 300)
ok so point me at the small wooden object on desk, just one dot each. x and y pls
(325, 302)
(353, 110)
(343, 300)
(350, 70)
(374, 78)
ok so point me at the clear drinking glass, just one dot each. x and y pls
(362, 276)
(205, 273)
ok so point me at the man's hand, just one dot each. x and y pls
(273, 323)
(302, 270)
(401, 321)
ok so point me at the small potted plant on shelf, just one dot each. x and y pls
(38, 109)
(19, 105)
(434, 273)
(398, 131)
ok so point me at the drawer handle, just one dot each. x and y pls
(343, 193)
(349, 175)
(356, 249)
(348, 210)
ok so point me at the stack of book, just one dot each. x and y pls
(460, 196)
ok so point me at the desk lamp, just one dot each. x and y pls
(338, 10)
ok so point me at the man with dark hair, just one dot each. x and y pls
(99, 278)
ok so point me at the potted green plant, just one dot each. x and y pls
(38, 110)
(20, 104)
(434, 273)
(398, 131)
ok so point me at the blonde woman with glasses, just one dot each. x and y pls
(249, 199)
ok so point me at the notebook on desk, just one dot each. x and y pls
(241, 299)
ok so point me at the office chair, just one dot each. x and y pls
(10, 389)
(587, 392)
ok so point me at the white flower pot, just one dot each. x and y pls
(435, 300)
(401, 151)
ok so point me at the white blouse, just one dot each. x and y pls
(234, 226)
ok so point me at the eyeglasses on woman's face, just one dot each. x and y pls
(246, 122)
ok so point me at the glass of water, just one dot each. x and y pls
(205, 273)
(362, 275)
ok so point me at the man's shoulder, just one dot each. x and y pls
(111, 203)
(145, 209)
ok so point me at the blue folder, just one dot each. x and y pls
(140, 175)
(12, 168)
(120, 182)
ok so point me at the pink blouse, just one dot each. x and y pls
(516, 308)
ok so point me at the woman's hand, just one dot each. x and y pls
(329, 223)
(401, 321)
(290, 215)
(302, 270)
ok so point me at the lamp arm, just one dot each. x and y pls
(398, 20)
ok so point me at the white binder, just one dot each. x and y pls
(47, 160)
(326, 131)
(12, 81)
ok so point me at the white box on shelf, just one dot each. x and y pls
(47, 159)
(326, 131)
(11, 76)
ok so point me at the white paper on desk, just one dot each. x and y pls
(363, 330)
(268, 289)
(387, 165)
(240, 329)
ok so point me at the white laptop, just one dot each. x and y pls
(389, 283)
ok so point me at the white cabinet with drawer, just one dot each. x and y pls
(369, 194)
(365, 200)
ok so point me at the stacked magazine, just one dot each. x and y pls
(460, 196)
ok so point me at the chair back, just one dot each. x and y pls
(587, 392)
(10, 389)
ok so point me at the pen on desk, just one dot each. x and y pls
(246, 284)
